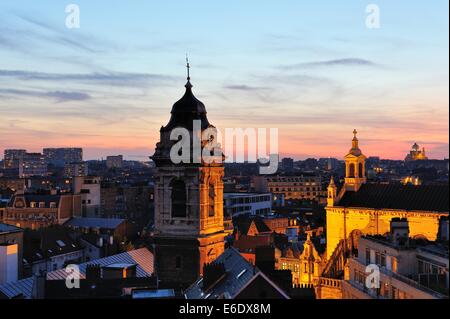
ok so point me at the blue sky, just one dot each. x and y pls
(311, 68)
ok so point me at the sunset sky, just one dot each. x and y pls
(312, 69)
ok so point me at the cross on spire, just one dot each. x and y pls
(354, 133)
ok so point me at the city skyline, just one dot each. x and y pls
(109, 85)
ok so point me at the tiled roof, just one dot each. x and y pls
(51, 242)
(398, 196)
(37, 198)
(238, 273)
(106, 223)
(245, 224)
(142, 257)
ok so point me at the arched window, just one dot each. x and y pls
(351, 170)
(211, 197)
(360, 170)
(178, 197)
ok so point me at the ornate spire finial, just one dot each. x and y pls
(188, 67)
(355, 140)
(188, 83)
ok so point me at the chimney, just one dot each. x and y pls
(443, 228)
(400, 232)
(212, 273)
(119, 271)
(38, 289)
(93, 272)
(265, 258)
(9, 263)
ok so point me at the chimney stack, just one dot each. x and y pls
(400, 232)
(93, 272)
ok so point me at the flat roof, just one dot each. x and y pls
(91, 222)
(245, 194)
(5, 228)
(147, 293)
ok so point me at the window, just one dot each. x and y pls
(178, 197)
(367, 256)
(383, 260)
(378, 258)
(351, 170)
(212, 197)
(360, 170)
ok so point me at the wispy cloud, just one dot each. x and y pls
(57, 35)
(351, 62)
(243, 87)
(58, 96)
(107, 78)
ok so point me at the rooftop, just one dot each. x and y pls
(106, 223)
(397, 196)
(5, 228)
(238, 272)
(142, 257)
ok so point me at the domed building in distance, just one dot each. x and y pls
(416, 154)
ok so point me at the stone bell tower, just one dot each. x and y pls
(189, 229)
(355, 166)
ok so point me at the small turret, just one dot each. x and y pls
(332, 192)
(355, 171)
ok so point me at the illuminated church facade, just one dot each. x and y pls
(361, 208)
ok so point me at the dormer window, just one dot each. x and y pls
(33, 204)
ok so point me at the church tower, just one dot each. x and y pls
(355, 166)
(332, 193)
(189, 229)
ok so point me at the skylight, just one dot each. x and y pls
(241, 273)
(60, 243)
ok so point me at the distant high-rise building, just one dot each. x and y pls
(60, 156)
(12, 158)
(114, 161)
(75, 169)
(33, 164)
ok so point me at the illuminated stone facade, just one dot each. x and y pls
(189, 222)
(306, 265)
(367, 209)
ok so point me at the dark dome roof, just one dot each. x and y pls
(187, 109)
